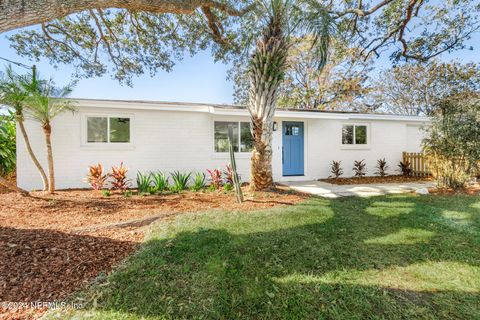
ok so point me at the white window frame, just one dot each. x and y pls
(222, 154)
(110, 145)
(354, 145)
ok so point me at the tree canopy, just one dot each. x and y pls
(418, 88)
(130, 37)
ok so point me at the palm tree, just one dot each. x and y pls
(283, 21)
(43, 106)
(14, 90)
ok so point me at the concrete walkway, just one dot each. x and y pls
(328, 190)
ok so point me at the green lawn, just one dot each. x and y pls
(389, 257)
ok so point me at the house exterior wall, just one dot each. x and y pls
(169, 140)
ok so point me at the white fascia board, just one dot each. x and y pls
(204, 108)
(141, 106)
(323, 115)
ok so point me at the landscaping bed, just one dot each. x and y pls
(51, 245)
(375, 179)
(471, 190)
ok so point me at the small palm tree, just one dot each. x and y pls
(282, 22)
(43, 106)
(14, 90)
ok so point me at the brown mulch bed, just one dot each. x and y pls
(52, 245)
(470, 190)
(375, 179)
(11, 178)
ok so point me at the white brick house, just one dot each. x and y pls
(166, 136)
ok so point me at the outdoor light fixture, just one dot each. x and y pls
(275, 126)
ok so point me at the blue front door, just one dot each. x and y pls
(292, 158)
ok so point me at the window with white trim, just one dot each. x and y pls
(242, 137)
(108, 129)
(354, 134)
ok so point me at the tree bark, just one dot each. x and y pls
(267, 69)
(51, 173)
(261, 162)
(32, 155)
(20, 13)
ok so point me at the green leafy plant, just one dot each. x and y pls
(106, 193)
(215, 178)
(160, 181)
(381, 167)
(336, 169)
(359, 168)
(228, 187)
(180, 181)
(7, 144)
(144, 182)
(96, 178)
(405, 168)
(119, 175)
(198, 181)
(128, 193)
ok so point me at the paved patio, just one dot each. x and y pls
(328, 190)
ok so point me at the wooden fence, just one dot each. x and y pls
(418, 163)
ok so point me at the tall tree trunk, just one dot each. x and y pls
(32, 155)
(267, 69)
(12, 186)
(16, 14)
(47, 129)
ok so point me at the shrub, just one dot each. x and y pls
(198, 181)
(106, 193)
(160, 181)
(381, 167)
(359, 167)
(128, 194)
(144, 182)
(336, 169)
(452, 146)
(405, 168)
(180, 181)
(228, 175)
(215, 178)
(7, 144)
(228, 187)
(119, 175)
(95, 177)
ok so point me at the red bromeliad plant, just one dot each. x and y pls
(215, 177)
(95, 177)
(119, 175)
(229, 175)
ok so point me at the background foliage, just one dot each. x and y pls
(453, 142)
(7, 143)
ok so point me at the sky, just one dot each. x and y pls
(193, 79)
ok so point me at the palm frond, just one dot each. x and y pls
(315, 21)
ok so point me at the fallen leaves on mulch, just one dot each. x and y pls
(375, 179)
(52, 245)
(470, 190)
(12, 178)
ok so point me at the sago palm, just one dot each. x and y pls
(282, 21)
(44, 106)
(14, 90)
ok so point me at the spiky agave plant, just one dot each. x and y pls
(160, 181)
(180, 181)
(144, 182)
(283, 20)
